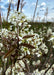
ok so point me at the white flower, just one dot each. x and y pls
(46, 51)
(13, 69)
(8, 71)
(28, 62)
(4, 60)
(51, 39)
(20, 38)
(5, 32)
(53, 46)
(47, 65)
(36, 72)
(21, 73)
(31, 32)
(1, 70)
(10, 28)
(17, 65)
(49, 32)
(20, 24)
(38, 54)
(53, 66)
(29, 25)
(1, 45)
(42, 72)
(34, 63)
(28, 52)
(22, 63)
(38, 62)
(44, 48)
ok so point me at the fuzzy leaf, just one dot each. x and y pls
(27, 45)
(28, 36)
(9, 53)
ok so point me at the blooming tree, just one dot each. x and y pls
(22, 51)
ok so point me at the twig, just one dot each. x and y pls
(48, 68)
(9, 9)
(22, 5)
(35, 10)
(18, 5)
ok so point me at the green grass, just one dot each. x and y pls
(36, 25)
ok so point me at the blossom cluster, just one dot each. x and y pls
(31, 46)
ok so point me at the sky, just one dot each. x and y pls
(29, 7)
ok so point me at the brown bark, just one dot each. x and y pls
(18, 5)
